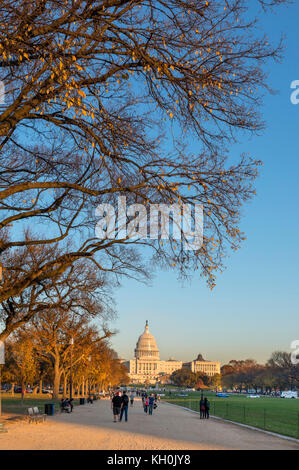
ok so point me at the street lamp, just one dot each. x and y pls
(1, 352)
(89, 378)
(2, 361)
(71, 370)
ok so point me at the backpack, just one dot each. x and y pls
(125, 400)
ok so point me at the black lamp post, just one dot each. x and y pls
(89, 378)
(1, 346)
(71, 370)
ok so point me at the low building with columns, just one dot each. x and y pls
(147, 367)
(209, 368)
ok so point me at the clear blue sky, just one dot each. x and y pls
(254, 308)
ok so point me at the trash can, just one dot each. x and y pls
(50, 409)
(82, 401)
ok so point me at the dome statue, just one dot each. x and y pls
(146, 347)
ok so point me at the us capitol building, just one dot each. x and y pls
(147, 366)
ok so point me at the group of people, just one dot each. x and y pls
(66, 405)
(120, 404)
(204, 407)
(149, 403)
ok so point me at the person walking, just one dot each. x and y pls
(70, 403)
(132, 396)
(124, 406)
(146, 404)
(151, 402)
(207, 408)
(116, 403)
(202, 408)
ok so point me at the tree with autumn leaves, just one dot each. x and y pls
(279, 373)
(42, 351)
(134, 98)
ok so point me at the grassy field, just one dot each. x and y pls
(14, 405)
(273, 414)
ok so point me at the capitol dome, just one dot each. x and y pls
(146, 347)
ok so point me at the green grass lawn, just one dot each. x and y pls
(273, 414)
(14, 405)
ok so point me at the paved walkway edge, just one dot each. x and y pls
(281, 436)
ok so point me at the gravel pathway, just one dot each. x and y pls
(170, 427)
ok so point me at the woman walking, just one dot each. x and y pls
(146, 404)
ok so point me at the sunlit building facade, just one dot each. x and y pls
(147, 367)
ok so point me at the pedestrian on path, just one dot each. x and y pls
(143, 399)
(151, 404)
(132, 396)
(124, 406)
(116, 403)
(207, 408)
(146, 404)
(202, 408)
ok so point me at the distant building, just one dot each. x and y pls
(209, 368)
(147, 367)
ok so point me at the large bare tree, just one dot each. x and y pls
(136, 98)
(78, 290)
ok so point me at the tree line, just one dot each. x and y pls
(279, 373)
(58, 349)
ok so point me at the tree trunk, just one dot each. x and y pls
(64, 385)
(57, 376)
(23, 390)
(41, 386)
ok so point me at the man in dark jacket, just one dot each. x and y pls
(202, 408)
(124, 406)
(207, 408)
(116, 403)
(151, 404)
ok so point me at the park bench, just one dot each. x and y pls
(35, 416)
(2, 428)
(39, 414)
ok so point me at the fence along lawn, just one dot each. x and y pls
(272, 414)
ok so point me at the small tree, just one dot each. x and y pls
(184, 378)
(215, 381)
(21, 365)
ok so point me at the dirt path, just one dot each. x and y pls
(170, 427)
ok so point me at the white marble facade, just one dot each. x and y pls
(147, 367)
